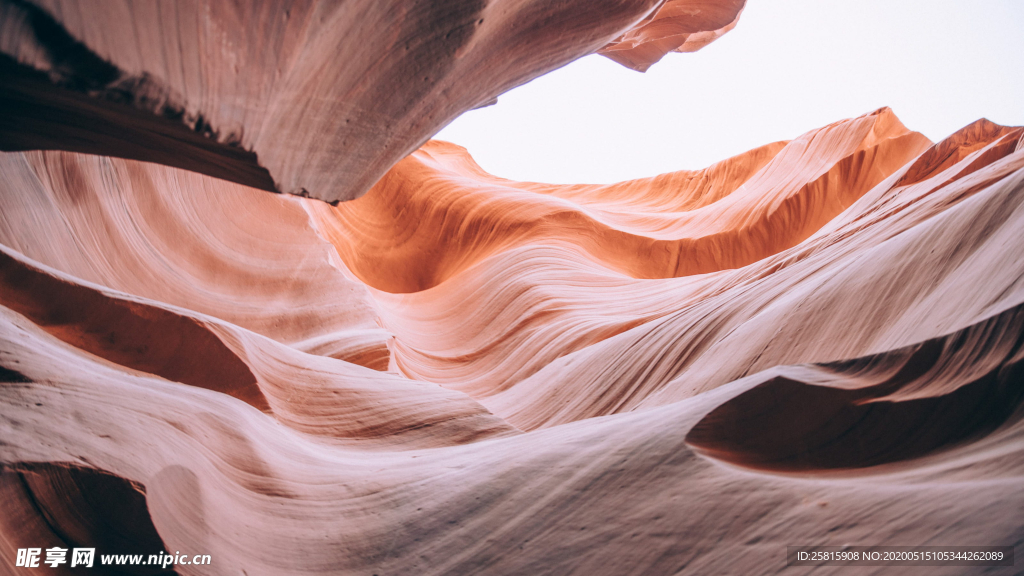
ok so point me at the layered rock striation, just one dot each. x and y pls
(313, 98)
(816, 341)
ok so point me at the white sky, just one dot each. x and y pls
(788, 66)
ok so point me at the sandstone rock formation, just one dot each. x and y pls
(676, 26)
(816, 341)
(314, 98)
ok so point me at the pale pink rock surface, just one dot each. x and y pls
(815, 342)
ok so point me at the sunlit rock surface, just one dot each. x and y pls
(676, 26)
(817, 341)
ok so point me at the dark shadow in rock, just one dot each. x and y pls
(879, 409)
(82, 508)
(83, 103)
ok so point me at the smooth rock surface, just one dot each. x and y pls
(819, 341)
(590, 418)
(311, 97)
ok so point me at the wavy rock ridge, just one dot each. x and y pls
(819, 340)
(313, 98)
